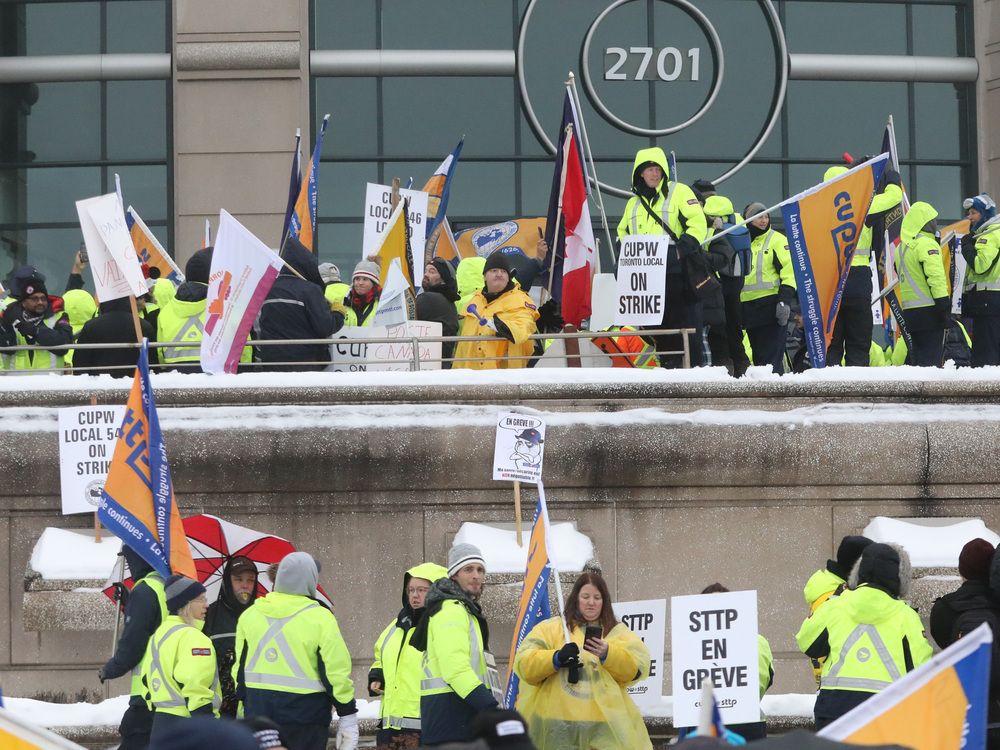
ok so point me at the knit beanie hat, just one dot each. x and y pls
(848, 552)
(881, 566)
(33, 285)
(703, 186)
(985, 205)
(753, 209)
(180, 590)
(329, 273)
(444, 269)
(463, 554)
(367, 269)
(497, 260)
(199, 266)
(974, 560)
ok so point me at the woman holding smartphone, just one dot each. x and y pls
(573, 695)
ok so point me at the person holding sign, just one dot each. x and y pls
(768, 291)
(662, 206)
(869, 635)
(499, 309)
(35, 319)
(573, 695)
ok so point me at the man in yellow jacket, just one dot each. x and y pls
(499, 309)
(459, 677)
(981, 295)
(180, 672)
(662, 206)
(869, 635)
(292, 664)
(923, 285)
(396, 672)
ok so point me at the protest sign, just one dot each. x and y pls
(150, 251)
(642, 280)
(378, 209)
(113, 259)
(87, 436)
(352, 352)
(648, 620)
(714, 637)
(519, 448)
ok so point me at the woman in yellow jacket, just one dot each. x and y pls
(596, 710)
(501, 309)
(180, 671)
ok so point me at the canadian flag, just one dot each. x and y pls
(578, 264)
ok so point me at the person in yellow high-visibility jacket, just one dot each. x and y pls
(596, 711)
(179, 673)
(499, 309)
(869, 635)
(292, 664)
(923, 285)
(396, 672)
(459, 678)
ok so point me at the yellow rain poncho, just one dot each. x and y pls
(596, 712)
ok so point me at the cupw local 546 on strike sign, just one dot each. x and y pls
(87, 436)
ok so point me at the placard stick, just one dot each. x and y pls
(135, 318)
(97, 521)
(517, 510)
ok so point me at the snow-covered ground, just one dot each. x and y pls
(516, 377)
(65, 554)
(109, 712)
(570, 549)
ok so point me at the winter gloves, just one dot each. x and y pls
(782, 313)
(567, 656)
(347, 732)
(687, 245)
(943, 307)
(969, 248)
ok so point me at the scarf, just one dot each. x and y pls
(442, 591)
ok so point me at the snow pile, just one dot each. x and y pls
(569, 548)
(61, 554)
(105, 713)
(930, 542)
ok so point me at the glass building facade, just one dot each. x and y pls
(60, 142)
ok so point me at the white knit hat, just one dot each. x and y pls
(462, 554)
(366, 269)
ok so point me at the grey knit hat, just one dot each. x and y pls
(329, 273)
(368, 270)
(179, 590)
(462, 554)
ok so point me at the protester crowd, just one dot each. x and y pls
(275, 663)
(727, 279)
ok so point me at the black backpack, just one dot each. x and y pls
(969, 619)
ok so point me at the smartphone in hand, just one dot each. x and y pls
(593, 631)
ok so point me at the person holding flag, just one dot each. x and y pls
(594, 711)
(981, 295)
(660, 206)
(923, 285)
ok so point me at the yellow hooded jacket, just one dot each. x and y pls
(596, 712)
(919, 263)
(518, 312)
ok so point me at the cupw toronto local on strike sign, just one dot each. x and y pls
(642, 280)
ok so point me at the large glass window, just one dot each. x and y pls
(61, 142)
(652, 66)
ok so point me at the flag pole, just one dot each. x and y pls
(575, 99)
(559, 211)
(517, 511)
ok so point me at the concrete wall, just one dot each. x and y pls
(987, 36)
(240, 89)
(670, 507)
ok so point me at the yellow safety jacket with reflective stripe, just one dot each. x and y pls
(184, 323)
(919, 262)
(155, 581)
(682, 203)
(866, 630)
(401, 670)
(888, 199)
(770, 267)
(37, 359)
(455, 660)
(282, 639)
(984, 275)
(181, 673)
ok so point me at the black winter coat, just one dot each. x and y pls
(113, 325)
(437, 304)
(296, 308)
(944, 612)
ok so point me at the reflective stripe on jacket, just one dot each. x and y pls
(770, 267)
(155, 581)
(180, 671)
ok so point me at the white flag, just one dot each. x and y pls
(243, 271)
(392, 303)
(115, 265)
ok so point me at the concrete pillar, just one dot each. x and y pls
(987, 33)
(240, 89)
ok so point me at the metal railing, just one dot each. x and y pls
(412, 344)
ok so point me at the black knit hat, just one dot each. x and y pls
(974, 560)
(879, 567)
(33, 285)
(497, 260)
(180, 590)
(501, 729)
(199, 266)
(703, 186)
(848, 552)
(445, 270)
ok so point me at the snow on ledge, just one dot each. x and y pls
(569, 548)
(930, 542)
(71, 554)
